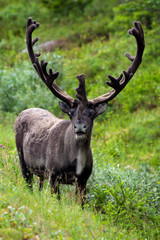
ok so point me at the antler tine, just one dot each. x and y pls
(119, 83)
(41, 67)
(81, 90)
(31, 26)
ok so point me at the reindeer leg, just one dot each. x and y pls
(77, 191)
(28, 176)
(81, 192)
(81, 185)
(54, 184)
(41, 180)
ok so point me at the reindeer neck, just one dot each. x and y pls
(79, 149)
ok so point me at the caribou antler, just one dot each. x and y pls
(116, 83)
(119, 83)
(41, 67)
(81, 90)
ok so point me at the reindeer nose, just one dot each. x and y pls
(80, 127)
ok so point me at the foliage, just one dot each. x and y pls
(20, 91)
(128, 197)
(12, 24)
(67, 7)
(145, 11)
(106, 58)
(128, 139)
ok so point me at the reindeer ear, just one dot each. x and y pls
(100, 108)
(65, 107)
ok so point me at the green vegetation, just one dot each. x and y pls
(123, 200)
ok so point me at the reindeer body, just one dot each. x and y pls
(60, 149)
(47, 147)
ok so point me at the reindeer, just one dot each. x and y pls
(57, 149)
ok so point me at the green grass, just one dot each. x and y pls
(25, 214)
(129, 140)
(123, 194)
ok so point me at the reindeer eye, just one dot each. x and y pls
(71, 112)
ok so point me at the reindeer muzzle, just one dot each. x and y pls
(80, 130)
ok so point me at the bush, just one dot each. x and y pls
(21, 88)
(145, 11)
(127, 197)
(65, 8)
(14, 17)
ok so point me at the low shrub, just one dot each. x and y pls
(127, 197)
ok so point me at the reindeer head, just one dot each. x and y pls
(82, 112)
